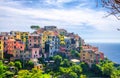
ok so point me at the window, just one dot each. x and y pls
(35, 52)
(90, 55)
(83, 54)
(15, 47)
(30, 44)
(83, 57)
(21, 56)
(51, 53)
(15, 42)
(91, 61)
(34, 56)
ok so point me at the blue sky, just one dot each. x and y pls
(79, 16)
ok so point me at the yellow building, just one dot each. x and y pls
(24, 37)
(18, 35)
(88, 56)
(38, 66)
(1, 48)
(62, 39)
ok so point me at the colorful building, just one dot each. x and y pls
(62, 40)
(24, 38)
(1, 47)
(88, 56)
(19, 48)
(36, 52)
(10, 46)
(35, 40)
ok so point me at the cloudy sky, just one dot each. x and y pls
(79, 16)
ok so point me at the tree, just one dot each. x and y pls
(18, 64)
(73, 75)
(67, 73)
(83, 76)
(29, 64)
(35, 27)
(77, 69)
(2, 70)
(9, 74)
(97, 69)
(84, 66)
(24, 74)
(58, 60)
(65, 63)
(108, 69)
(34, 73)
(11, 64)
(113, 7)
(115, 74)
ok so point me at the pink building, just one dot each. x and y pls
(94, 49)
(101, 56)
(36, 52)
(34, 40)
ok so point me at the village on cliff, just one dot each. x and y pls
(45, 43)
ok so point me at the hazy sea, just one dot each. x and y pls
(110, 50)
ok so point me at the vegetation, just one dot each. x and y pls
(60, 68)
(35, 27)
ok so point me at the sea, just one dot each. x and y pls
(110, 50)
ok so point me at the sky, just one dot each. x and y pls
(82, 17)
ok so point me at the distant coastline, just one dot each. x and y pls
(111, 50)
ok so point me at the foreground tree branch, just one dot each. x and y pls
(113, 7)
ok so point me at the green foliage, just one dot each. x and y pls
(2, 70)
(73, 75)
(35, 73)
(83, 76)
(97, 69)
(9, 74)
(108, 69)
(18, 64)
(75, 53)
(65, 63)
(71, 72)
(34, 27)
(24, 74)
(84, 66)
(29, 65)
(11, 64)
(41, 60)
(77, 69)
(57, 59)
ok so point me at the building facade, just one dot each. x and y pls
(1, 47)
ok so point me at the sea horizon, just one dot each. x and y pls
(110, 50)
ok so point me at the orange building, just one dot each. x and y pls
(10, 46)
(88, 56)
(18, 44)
(13, 45)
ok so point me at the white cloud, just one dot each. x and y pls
(73, 19)
(68, 17)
